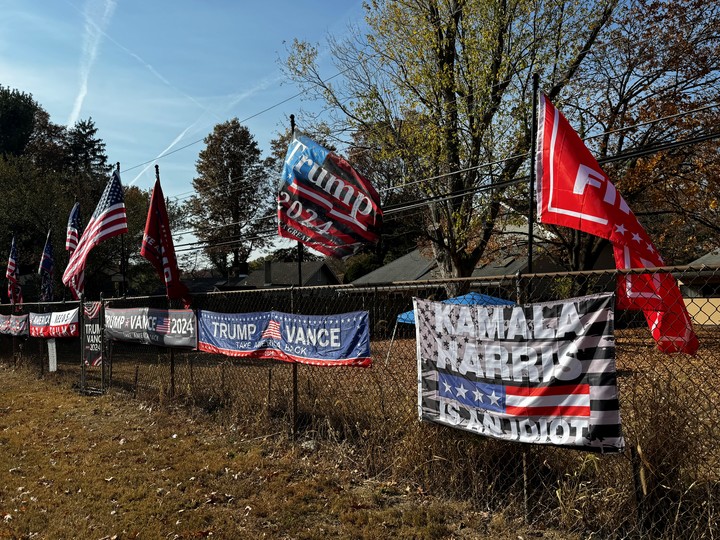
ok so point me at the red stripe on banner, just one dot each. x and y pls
(287, 229)
(548, 411)
(274, 354)
(333, 236)
(539, 391)
(304, 192)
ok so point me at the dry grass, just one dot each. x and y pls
(74, 466)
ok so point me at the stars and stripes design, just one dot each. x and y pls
(162, 326)
(272, 331)
(73, 229)
(561, 400)
(13, 276)
(108, 220)
(317, 340)
(520, 377)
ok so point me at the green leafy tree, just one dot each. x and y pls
(17, 117)
(234, 202)
(442, 87)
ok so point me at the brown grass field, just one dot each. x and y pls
(102, 467)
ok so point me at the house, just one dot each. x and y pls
(419, 265)
(285, 274)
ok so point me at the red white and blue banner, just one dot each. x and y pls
(318, 340)
(58, 324)
(536, 373)
(162, 327)
(19, 325)
(326, 204)
(5, 324)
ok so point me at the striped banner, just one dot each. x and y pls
(537, 373)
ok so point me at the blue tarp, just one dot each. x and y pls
(472, 298)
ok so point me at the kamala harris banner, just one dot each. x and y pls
(162, 327)
(537, 373)
(319, 340)
(55, 325)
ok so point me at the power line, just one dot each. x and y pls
(426, 201)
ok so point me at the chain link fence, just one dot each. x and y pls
(665, 485)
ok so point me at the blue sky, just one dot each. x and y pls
(155, 76)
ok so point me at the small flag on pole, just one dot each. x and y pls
(108, 220)
(46, 269)
(73, 229)
(13, 276)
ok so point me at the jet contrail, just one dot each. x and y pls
(91, 45)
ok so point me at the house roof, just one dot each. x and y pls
(709, 259)
(416, 266)
(285, 274)
(410, 267)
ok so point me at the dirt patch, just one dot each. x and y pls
(74, 466)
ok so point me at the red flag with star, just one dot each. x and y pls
(573, 191)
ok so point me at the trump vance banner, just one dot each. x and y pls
(320, 340)
(537, 373)
(162, 327)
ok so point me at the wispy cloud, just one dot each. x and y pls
(167, 149)
(97, 16)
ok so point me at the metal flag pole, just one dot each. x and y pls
(123, 290)
(299, 244)
(292, 309)
(531, 190)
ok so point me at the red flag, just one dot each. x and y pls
(573, 191)
(108, 220)
(158, 248)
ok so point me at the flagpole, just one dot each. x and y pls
(299, 244)
(122, 251)
(531, 190)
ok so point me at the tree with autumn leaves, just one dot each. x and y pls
(442, 89)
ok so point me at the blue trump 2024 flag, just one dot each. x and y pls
(319, 340)
(325, 203)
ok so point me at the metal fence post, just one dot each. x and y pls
(294, 378)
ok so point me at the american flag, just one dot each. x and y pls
(272, 331)
(108, 220)
(73, 228)
(562, 400)
(14, 290)
(163, 325)
(46, 269)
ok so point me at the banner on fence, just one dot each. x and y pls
(92, 334)
(537, 373)
(319, 340)
(5, 324)
(55, 325)
(162, 327)
(19, 325)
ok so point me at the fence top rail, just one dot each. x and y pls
(678, 271)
